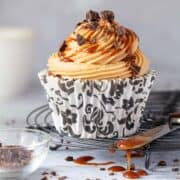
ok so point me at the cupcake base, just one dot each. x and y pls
(97, 108)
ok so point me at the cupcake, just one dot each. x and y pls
(99, 80)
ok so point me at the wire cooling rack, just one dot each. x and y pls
(159, 105)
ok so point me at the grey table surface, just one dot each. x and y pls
(13, 113)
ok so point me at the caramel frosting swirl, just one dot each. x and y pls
(99, 48)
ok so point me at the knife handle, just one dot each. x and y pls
(174, 119)
(175, 115)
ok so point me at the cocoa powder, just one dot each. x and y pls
(13, 156)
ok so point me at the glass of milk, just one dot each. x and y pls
(16, 60)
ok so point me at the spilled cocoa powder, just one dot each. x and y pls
(162, 163)
(48, 175)
(102, 169)
(175, 160)
(69, 158)
(175, 169)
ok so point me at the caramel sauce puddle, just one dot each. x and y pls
(84, 160)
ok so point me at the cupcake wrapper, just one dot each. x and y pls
(97, 108)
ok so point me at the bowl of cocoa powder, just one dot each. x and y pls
(21, 152)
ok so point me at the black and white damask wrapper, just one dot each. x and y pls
(97, 108)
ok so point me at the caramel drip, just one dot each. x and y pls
(84, 160)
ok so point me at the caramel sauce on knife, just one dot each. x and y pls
(126, 144)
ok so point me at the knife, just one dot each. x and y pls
(145, 137)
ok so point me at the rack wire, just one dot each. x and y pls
(159, 105)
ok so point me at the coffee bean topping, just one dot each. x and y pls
(63, 47)
(78, 24)
(107, 15)
(80, 40)
(120, 31)
(93, 25)
(92, 15)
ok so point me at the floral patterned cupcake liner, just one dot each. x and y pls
(97, 108)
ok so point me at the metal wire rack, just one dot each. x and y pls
(159, 105)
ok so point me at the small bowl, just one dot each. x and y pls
(30, 146)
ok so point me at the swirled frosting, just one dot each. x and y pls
(99, 48)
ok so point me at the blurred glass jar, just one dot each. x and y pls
(16, 60)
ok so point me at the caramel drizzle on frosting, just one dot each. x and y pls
(103, 44)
